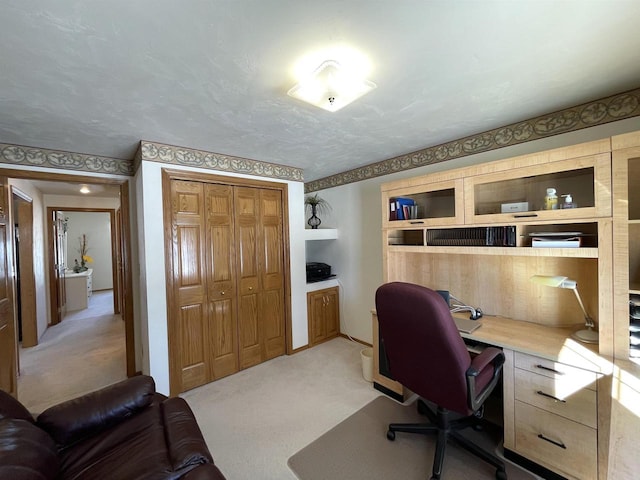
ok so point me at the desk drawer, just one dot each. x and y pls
(577, 377)
(557, 396)
(574, 452)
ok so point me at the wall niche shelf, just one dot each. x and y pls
(321, 234)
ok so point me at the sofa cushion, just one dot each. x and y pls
(133, 449)
(159, 442)
(71, 421)
(26, 452)
(12, 408)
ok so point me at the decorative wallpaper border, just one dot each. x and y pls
(41, 157)
(598, 112)
(159, 152)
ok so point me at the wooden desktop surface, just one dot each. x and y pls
(553, 343)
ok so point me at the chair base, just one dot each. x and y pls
(445, 428)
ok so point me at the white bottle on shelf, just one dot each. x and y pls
(568, 202)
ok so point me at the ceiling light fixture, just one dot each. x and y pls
(85, 189)
(331, 86)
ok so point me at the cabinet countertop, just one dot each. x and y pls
(71, 274)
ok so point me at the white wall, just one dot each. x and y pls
(97, 228)
(155, 359)
(39, 269)
(356, 257)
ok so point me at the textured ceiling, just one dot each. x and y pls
(97, 77)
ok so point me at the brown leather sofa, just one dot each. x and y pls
(124, 431)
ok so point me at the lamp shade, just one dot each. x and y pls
(557, 281)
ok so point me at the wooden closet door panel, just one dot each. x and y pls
(188, 349)
(193, 356)
(272, 273)
(246, 209)
(221, 281)
(272, 321)
(223, 339)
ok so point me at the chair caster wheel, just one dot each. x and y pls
(391, 435)
(501, 475)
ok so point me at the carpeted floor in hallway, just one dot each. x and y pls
(84, 352)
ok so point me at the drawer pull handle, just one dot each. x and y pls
(555, 399)
(526, 215)
(542, 367)
(557, 444)
(416, 223)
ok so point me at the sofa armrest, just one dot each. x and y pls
(75, 419)
(183, 436)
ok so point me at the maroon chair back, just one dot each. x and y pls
(425, 350)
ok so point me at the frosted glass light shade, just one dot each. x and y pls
(331, 87)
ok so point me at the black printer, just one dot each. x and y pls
(317, 272)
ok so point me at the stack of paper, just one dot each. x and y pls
(555, 239)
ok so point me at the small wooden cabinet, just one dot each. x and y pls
(323, 307)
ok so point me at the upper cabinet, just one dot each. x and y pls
(431, 203)
(626, 228)
(519, 194)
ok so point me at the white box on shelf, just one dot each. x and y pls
(514, 207)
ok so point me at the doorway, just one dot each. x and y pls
(123, 267)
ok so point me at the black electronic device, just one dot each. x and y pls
(317, 272)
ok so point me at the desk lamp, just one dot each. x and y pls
(588, 335)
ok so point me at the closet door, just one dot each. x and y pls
(221, 281)
(248, 266)
(260, 267)
(188, 345)
(272, 308)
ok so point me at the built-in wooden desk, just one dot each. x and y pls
(553, 415)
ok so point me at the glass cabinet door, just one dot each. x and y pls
(439, 203)
(582, 188)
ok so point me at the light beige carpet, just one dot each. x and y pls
(84, 352)
(358, 449)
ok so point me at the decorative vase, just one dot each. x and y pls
(314, 222)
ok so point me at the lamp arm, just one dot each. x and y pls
(589, 321)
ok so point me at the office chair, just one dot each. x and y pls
(428, 356)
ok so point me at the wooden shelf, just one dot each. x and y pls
(501, 251)
(321, 234)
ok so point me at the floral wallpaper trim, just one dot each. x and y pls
(40, 157)
(158, 152)
(598, 112)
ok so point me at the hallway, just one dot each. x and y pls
(84, 352)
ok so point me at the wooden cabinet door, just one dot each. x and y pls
(315, 307)
(332, 313)
(323, 314)
(221, 281)
(188, 329)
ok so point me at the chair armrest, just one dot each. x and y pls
(86, 415)
(484, 372)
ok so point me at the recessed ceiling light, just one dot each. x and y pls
(85, 189)
(331, 86)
